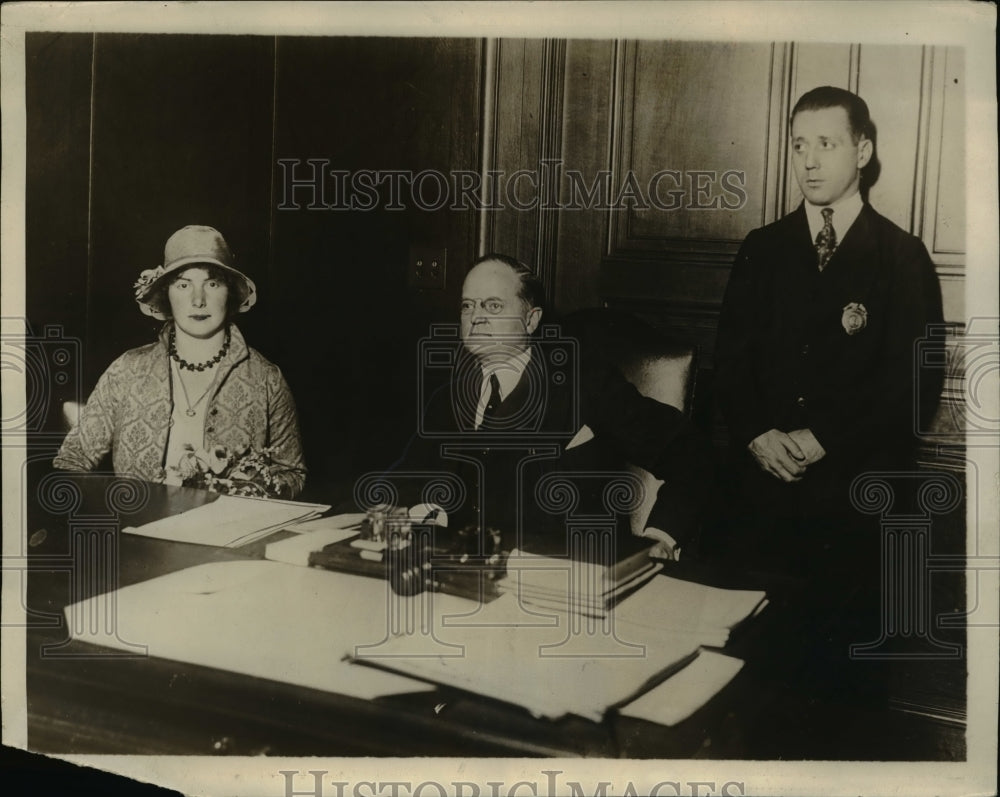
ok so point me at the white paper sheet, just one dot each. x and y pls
(228, 521)
(709, 612)
(317, 534)
(685, 692)
(265, 619)
(574, 665)
(346, 520)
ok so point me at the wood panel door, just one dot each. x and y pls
(671, 152)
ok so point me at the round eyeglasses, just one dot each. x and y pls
(491, 306)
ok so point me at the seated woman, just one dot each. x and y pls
(187, 408)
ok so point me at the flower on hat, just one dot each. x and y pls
(147, 278)
(854, 318)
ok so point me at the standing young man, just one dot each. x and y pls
(815, 362)
(815, 359)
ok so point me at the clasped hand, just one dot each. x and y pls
(786, 455)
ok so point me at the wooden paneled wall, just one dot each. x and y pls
(131, 137)
(693, 138)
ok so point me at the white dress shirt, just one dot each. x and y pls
(508, 372)
(845, 211)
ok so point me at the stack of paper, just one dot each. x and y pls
(570, 662)
(574, 586)
(229, 521)
(710, 613)
(551, 664)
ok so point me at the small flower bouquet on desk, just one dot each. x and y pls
(254, 474)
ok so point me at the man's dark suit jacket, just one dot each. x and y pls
(785, 360)
(512, 466)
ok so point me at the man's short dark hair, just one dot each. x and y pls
(530, 288)
(822, 97)
(858, 120)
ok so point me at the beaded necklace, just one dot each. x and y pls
(172, 348)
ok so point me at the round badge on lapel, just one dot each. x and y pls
(855, 318)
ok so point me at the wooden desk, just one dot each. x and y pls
(85, 699)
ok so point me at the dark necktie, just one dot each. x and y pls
(826, 239)
(494, 400)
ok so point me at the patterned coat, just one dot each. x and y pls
(130, 409)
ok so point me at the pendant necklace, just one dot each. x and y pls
(190, 411)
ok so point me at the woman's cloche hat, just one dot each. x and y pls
(195, 244)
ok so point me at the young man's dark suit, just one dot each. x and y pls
(526, 441)
(785, 360)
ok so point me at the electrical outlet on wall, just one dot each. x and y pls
(427, 268)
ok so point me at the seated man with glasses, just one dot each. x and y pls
(540, 435)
